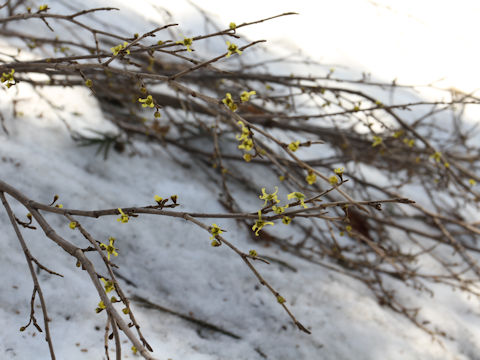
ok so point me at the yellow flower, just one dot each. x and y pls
(111, 249)
(229, 102)
(377, 140)
(215, 230)
(215, 243)
(472, 182)
(232, 26)
(411, 142)
(8, 78)
(157, 198)
(117, 49)
(333, 180)
(148, 101)
(246, 144)
(311, 178)
(259, 224)
(72, 225)
(299, 196)
(293, 146)
(253, 253)
(187, 42)
(279, 209)
(269, 197)
(247, 157)
(232, 48)
(108, 284)
(89, 83)
(339, 171)
(286, 220)
(397, 134)
(280, 299)
(437, 156)
(100, 307)
(42, 8)
(245, 96)
(134, 350)
(123, 217)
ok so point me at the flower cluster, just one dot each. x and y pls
(187, 42)
(8, 79)
(260, 223)
(377, 140)
(229, 102)
(120, 48)
(293, 146)
(232, 48)
(147, 102)
(111, 249)
(311, 177)
(269, 198)
(123, 217)
(245, 96)
(246, 141)
(299, 196)
(215, 230)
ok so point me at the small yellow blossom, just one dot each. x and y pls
(280, 299)
(111, 249)
(245, 96)
(436, 156)
(410, 142)
(299, 196)
(117, 49)
(253, 253)
(100, 307)
(232, 48)
(279, 209)
(269, 197)
(108, 284)
(123, 217)
(8, 78)
(259, 224)
(148, 101)
(246, 144)
(126, 310)
(333, 180)
(43, 8)
(293, 146)
(447, 165)
(72, 225)
(232, 26)
(247, 157)
(377, 140)
(472, 182)
(311, 178)
(348, 228)
(397, 134)
(281, 178)
(134, 350)
(215, 243)
(187, 42)
(157, 198)
(215, 230)
(339, 171)
(229, 102)
(88, 83)
(286, 220)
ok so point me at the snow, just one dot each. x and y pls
(171, 261)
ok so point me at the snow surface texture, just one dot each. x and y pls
(171, 262)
